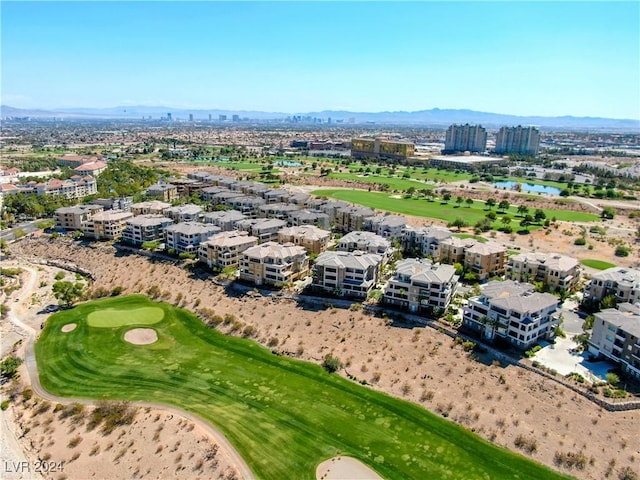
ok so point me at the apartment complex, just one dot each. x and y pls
(309, 217)
(347, 274)
(185, 237)
(623, 283)
(184, 213)
(616, 336)
(225, 219)
(421, 286)
(390, 227)
(424, 240)
(273, 264)
(522, 140)
(556, 271)
(380, 148)
(165, 192)
(465, 138)
(224, 249)
(107, 225)
(513, 312)
(145, 228)
(485, 259)
(367, 242)
(266, 229)
(153, 207)
(351, 218)
(75, 218)
(312, 238)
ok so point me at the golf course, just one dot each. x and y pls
(283, 416)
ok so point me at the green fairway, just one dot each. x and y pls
(114, 317)
(393, 182)
(597, 264)
(284, 416)
(436, 209)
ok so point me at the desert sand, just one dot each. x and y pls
(500, 403)
(141, 336)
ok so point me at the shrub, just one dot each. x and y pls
(249, 331)
(528, 444)
(116, 291)
(570, 460)
(580, 241)
(9, 366)
(4, 405)
(622, 251)
(612, 379)
(331, 363)
(59, 276)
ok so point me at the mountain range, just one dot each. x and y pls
(426, 118)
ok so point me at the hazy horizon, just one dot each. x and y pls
(513, 58)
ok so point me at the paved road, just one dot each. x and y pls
(26, 227)
(34, 379)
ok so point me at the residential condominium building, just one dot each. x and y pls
(225, 219)
(185, 237)
(349, 219)
(616, 336)
(465, 138)
(312, 238)
(623, 283)
(367, 242)
(75, 218)
(381, 148)
(556, 271)
(513, 312)
(91, 168)
(224, 249)
(522, 140)
(421, 286)
(485, 260)
(115, 203)
(145, 228)
(153, 207)
(424, 240)
(207, 194)
(266, 229)
(162, 191)
(390, 227)
(107, 225)
(74, 188)
(309, 217)
(452, 249)
(273, 264)
(277, 210)
(247, 205)
(346, 274)
(184, 213)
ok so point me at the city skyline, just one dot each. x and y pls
(547, 59)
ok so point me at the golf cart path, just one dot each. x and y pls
(34, 379)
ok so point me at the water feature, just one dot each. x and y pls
(288, 163)
(528, 187)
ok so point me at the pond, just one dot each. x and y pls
(528, 187)
(287, 163)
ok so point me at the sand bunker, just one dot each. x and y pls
(345, 468)
(141, 336)
(69, 327)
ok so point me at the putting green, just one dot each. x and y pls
(283, 416)
(113, 317)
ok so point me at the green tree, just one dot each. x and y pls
(522, 210)
(608, 213)
(504, 205)
(67, 292)
(459, 223)
(469, 202)
(459, 200)
(491, 202)
(612, 379)
(506, 220)
(610, 301)
(539, 215)
(446, 197)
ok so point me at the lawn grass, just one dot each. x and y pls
(393, 182)
(436, 209)
(113, 317)
(468, 235)
(284, 416)
(597, 264)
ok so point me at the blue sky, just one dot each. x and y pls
(545, 58)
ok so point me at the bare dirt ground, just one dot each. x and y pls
(422, 365)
